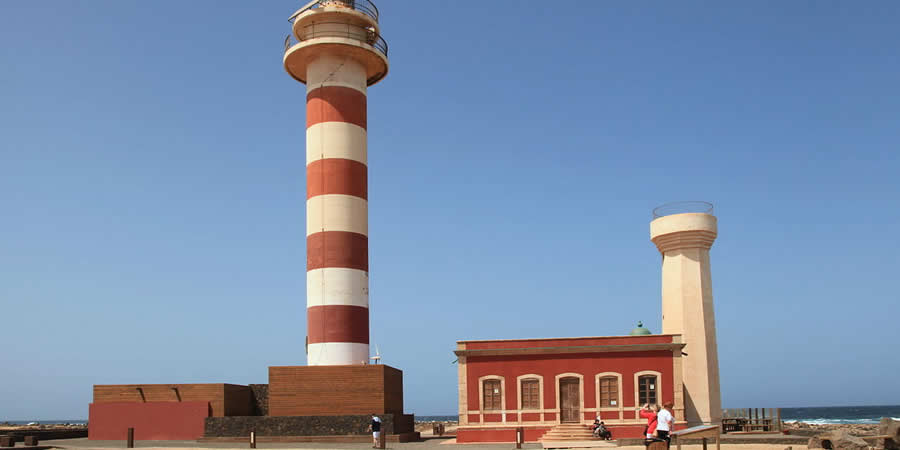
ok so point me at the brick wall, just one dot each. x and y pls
(223, 399)
(335, 390)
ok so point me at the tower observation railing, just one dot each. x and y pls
(340, 30)
(682, 207)
(364, 6)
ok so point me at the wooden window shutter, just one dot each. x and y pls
(492, 395)
(531, 394)
(609, 392)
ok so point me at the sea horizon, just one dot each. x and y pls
(814, 415)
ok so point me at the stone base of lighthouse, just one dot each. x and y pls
(323, 404)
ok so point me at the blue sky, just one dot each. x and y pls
(152, 185)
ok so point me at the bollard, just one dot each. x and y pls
(520, 436)
(381, 440)
(130, 438)
(253, 439)
(31, 441)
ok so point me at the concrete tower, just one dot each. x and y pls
(336, 49)
(684, 232)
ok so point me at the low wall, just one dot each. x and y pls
(151, 421)
(239, 426)
(46, 435)
(499, 434)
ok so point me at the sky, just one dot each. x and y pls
(152, 184)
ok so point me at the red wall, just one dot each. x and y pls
(588, 365)
(151, 421)
(498, 434)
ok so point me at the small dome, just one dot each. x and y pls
(640, 330)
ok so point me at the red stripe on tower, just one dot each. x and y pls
(338, 323)
(335, 104)
(337, 176)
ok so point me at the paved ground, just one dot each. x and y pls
(429, 444)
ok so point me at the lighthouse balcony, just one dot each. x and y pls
(342, 31)
(338, 28)
(365, 7)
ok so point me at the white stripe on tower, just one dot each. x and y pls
(337, 279)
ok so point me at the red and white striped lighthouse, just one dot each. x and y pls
(336, 49)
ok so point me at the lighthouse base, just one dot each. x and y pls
(351, 428)
(323, 404)
(335, 390)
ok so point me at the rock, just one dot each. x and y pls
(838, 440)
(890, 428)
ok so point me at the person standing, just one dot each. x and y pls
(665, 421)
(649, 412)
(376, 429)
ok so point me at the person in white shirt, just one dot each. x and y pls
(666, 421)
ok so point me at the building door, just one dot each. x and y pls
(569, 400)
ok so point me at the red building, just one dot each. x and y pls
(539, 384)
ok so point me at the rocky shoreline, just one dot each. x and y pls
(855, 429)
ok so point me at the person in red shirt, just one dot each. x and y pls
(649, 413)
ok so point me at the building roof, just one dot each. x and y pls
(600, 344)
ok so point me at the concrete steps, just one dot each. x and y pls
(568, 432)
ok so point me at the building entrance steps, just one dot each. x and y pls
(571, 433)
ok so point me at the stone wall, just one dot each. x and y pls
(260, 399)
(238, 426)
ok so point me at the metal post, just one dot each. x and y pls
(520, 436)
(253, 439)
(130, 438)
(704, 443)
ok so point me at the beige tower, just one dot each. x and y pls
(683, 233)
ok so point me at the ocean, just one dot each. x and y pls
(816, 415)
(840, 414)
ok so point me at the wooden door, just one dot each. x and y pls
(569, 400)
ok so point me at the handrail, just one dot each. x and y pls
(364, 6)
(328, 29)
(682, 207)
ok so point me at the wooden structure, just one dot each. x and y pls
(335, 390)
(752, 420)
(224, 399)
(703, 432)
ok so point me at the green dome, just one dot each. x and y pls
(640, 330)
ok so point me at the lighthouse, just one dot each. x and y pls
(336, 49)
(683, 233)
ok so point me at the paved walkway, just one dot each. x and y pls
(428, 444)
